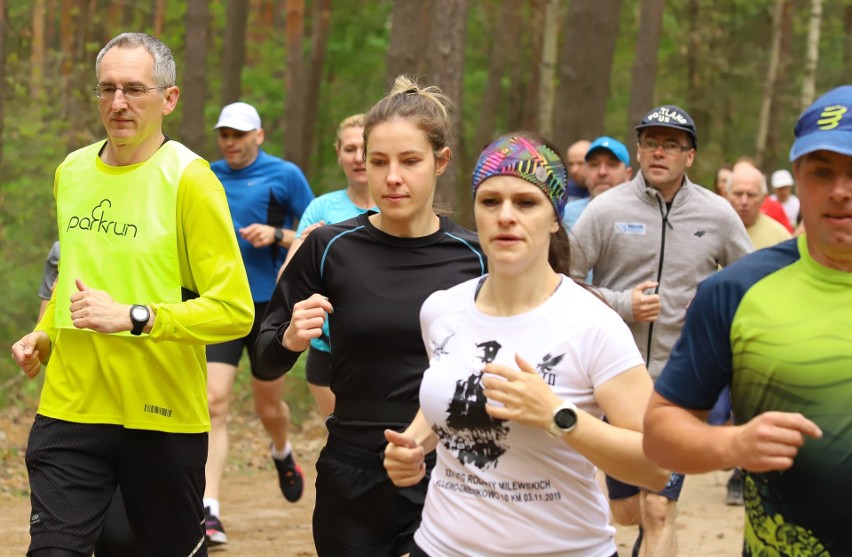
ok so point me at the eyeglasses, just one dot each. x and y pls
(130, 92)
(670, 147)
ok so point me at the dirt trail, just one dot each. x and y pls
(260, 523)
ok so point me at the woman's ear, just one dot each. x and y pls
(442, 160)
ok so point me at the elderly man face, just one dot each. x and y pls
(746, 190)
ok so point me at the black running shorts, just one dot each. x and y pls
(230, 352)
(318, 367)
(359, 512)
(74, 469)
(619, 490)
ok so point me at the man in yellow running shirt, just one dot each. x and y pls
(150, 274)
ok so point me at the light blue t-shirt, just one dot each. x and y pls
(332, 208)
(573, 210)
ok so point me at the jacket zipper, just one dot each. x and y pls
(666, 224)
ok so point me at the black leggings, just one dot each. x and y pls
(116, 538)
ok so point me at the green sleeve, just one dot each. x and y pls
(210, 265)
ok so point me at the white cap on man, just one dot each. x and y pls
(781, 178)
(239, 116)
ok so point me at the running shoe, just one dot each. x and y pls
(735, 489)
(289, 477)
(213, 529)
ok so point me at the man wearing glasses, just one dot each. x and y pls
(649, 243)
(150, 273)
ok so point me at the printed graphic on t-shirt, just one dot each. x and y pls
(439, 350)
(545, 368)
(471, 434)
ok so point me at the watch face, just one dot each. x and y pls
(565, 418)
(139, 313)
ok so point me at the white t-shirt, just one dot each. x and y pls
(501, 487)
(791, 208)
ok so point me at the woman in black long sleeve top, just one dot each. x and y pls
(371, 274)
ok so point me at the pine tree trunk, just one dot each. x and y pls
(294, 84)
(159, 17)
(410, 30)
(504, 40)
(547, 73)
(644, 72)
(446, 65)
(771, 81)
(812, 54)
(194, 91)
(319, 40)
(591, 31)
(777, 143)
(37, 53)
(234, 50)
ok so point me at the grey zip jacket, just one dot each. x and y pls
(628, 235)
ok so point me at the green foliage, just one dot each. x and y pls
(724, 42)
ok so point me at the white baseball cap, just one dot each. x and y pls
(781, 178)
(239, 116)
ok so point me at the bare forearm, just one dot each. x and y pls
(679, 439)
(422, 434)
(616, 451)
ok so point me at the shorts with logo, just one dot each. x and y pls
(74, 469)
(230, 352)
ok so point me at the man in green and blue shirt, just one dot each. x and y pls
(777, 327)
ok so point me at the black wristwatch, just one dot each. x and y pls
(278, 235)
(564, 419)
(139, 316)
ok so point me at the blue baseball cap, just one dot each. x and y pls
(825, 125)
(614, 146)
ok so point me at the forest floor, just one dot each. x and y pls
(260, 523)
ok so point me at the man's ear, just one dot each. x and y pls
(170, 96)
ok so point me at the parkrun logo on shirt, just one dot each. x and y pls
(97, 221)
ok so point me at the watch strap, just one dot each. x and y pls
(555, 430)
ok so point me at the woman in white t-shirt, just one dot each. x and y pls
(524, 364)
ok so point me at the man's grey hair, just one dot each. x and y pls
(164, 74)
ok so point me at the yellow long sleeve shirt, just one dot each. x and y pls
(155, 381)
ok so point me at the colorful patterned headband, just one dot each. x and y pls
(527, 159)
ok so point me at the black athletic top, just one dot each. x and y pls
(376, 283)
